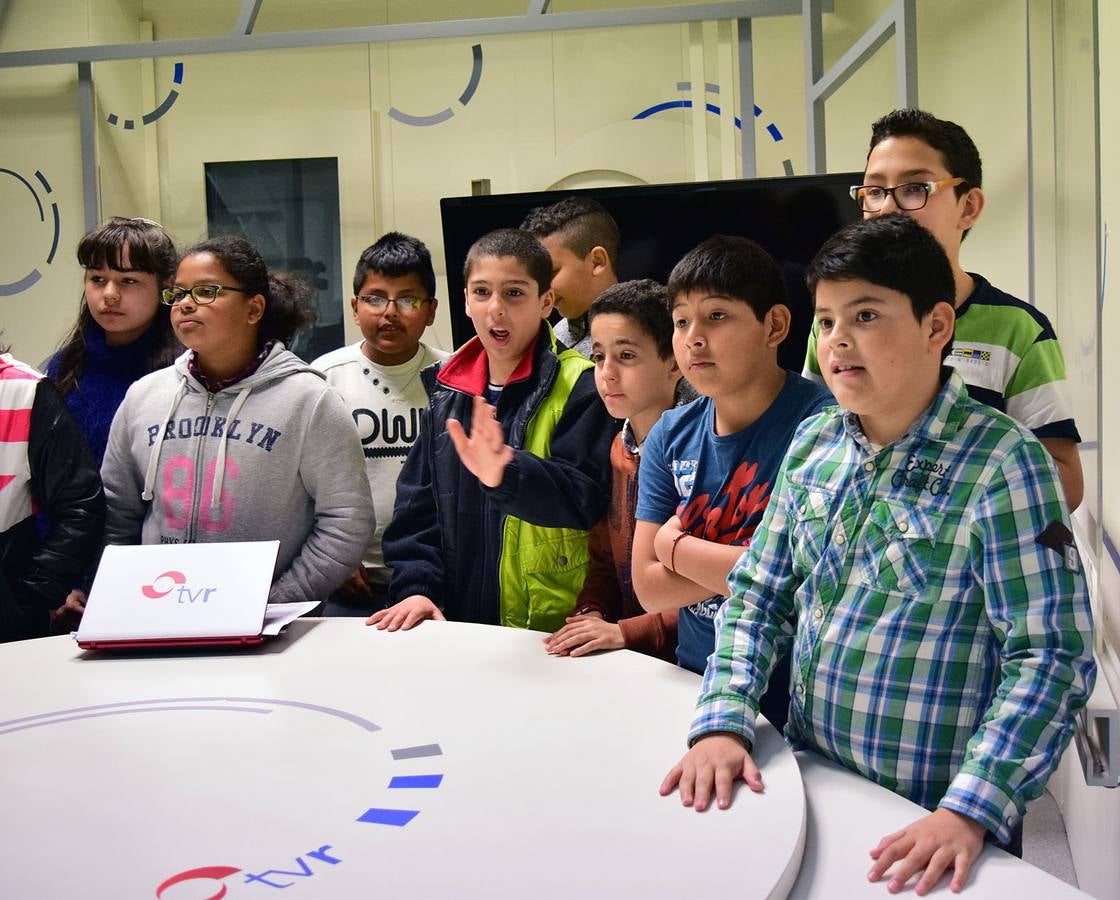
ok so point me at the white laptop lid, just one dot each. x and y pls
(153, 591)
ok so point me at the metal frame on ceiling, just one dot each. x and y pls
(898, 21)
(537, 19)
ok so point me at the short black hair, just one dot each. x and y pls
(891, 251)
(730, 266)
(521, 245)
(645, 302)
(581, 224)
(962, 159)
(395, 255)
(287, 306)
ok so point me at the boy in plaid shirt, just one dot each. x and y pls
(920, 542)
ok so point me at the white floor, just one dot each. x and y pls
(1045, 844)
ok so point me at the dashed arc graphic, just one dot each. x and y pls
(21, 284)
(390, 816)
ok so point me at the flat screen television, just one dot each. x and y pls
(791, 217)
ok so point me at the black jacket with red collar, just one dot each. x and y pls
(445, 537)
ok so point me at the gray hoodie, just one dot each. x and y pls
(272, 457)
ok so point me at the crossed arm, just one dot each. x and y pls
(672, 569)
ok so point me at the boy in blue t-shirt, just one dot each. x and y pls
(708, 467)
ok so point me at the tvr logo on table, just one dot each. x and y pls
(167, 582)
(274, 878)
(213, 882)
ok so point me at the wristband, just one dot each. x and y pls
(673, 552)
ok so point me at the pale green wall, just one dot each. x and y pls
(39, 131)
(551, 109)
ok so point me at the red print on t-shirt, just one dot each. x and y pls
(732, 516)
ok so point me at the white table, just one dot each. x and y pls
(848, 815)
(481, 766)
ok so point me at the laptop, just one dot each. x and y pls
(193, 595)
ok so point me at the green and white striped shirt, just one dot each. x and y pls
(1010, 358)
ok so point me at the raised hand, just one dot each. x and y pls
(484, 451)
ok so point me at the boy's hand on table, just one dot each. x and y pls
(713, 764)
(69, 614)
(484, 451)
(584, 634)
(355, 584)
(404, 615)
(941, 841)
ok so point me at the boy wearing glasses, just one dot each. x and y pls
(379, 379)
(1006, 350)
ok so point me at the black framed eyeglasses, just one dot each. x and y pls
(200, 293)
(403, 304)
(909, 196)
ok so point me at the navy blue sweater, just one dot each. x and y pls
(99, 390)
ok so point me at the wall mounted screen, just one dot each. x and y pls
(790, 217)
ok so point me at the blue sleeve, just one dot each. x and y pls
(412, 542)
(658, 497)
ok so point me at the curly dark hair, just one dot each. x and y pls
(287, 306)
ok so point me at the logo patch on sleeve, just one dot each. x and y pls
(1058, 538)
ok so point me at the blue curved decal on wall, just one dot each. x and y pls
(22, 284)
(710, 88)
(444, 114)
(159, 111)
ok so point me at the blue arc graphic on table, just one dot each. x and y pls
(259, 706)
(22, 284)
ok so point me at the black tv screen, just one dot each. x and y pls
(790, 217)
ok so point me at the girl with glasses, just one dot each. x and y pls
(240, 440)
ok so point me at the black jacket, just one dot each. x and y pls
(445, 537)
(37, 573)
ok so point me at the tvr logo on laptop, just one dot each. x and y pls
(172, 581)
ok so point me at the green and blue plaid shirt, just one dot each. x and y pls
(942, 638)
